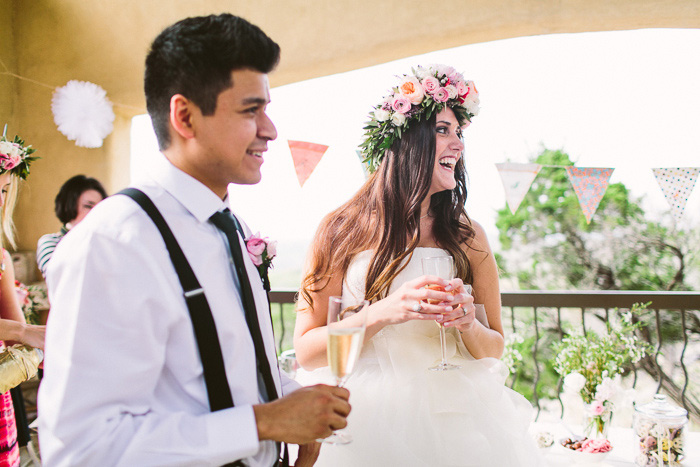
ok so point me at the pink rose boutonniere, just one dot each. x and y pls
(261, 251)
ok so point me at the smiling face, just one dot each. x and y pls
(229, 144)
(448, 150)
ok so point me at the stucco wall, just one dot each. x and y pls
(105, 41)
(9, 59)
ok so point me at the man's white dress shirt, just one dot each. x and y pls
(123, 382)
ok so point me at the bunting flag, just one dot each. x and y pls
(677, 184)
(517, 179)
(306, 157)
(589, 184)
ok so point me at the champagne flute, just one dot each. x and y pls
(344, 346)
(443, 267)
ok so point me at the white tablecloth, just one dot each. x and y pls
(624, 443)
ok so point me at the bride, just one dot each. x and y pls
(411, 207)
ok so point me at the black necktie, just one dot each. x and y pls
(228, 224)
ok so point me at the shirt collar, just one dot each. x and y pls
(196, 197)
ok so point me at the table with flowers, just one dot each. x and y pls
(623, 440)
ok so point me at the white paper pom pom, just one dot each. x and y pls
(83, 113)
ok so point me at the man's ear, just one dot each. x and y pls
(181, 109)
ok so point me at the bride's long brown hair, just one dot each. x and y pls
(384, 216)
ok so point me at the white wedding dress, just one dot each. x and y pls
(406, 415)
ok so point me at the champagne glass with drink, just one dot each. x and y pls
(443, 267)
(346, 333)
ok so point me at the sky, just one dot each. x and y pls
(628, 100)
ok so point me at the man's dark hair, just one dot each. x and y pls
(66, 203)
(195, 57)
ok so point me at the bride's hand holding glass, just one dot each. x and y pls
(463, 315)
(410, 302)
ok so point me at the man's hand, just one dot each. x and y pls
(304, 416)
(308, 453)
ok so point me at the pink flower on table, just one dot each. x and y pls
(431, 84)
(401, 104)
(595, 445)
(441, 95)
(597, 408)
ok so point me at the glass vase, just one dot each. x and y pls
(596, 420)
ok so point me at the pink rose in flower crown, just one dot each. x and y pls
(401, 104)
(462, 88)
(431, 84)
(597, 408)
(451, 91)
(441, 95)
(9, 161)
(412, 90)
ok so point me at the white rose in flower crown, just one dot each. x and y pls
(6, 147)
(412, 90)
(451, 91)
(381, 115)
(445, 70)
(574, 381)
(398, 119)
(471, 103)
(422, 72)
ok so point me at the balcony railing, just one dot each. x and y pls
(547, 312)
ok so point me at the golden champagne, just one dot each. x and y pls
(344, 347)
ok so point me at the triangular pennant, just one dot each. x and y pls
(306, 157)
(517, 179)
(677, 184)
(589, 184)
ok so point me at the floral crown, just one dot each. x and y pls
(425, 92)
(15, 157)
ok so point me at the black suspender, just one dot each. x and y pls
(218, 390)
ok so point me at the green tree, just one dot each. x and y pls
(547, 243)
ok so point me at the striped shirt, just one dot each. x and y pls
(46, 246)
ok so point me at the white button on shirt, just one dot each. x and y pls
(123, 382)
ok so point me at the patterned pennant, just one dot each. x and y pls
(306, 157)
(517, 179)
(677, 184)
(589, 184)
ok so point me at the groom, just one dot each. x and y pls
(124, 382)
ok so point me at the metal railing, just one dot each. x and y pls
(592, 306)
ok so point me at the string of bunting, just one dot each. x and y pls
(81, 110)
(590, 184)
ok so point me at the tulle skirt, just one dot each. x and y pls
(406, 415)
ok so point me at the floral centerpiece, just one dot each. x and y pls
(592, 365)
(262, 250)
